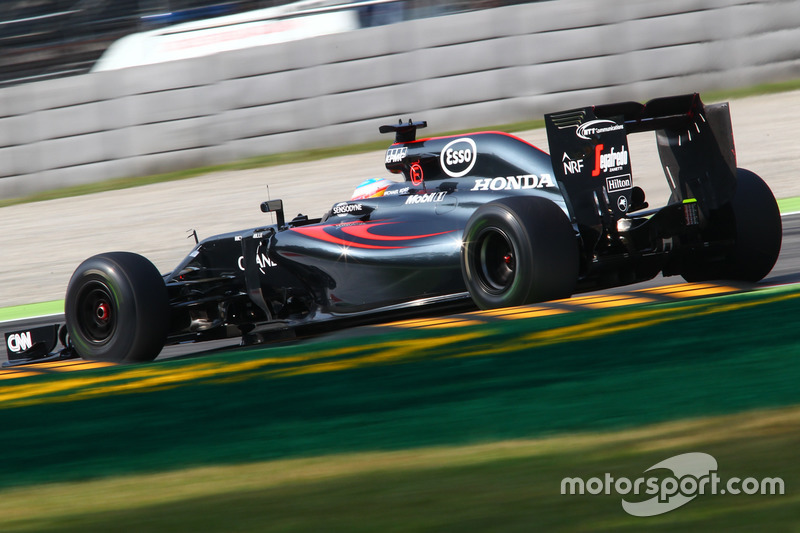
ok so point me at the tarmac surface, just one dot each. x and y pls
(42, 243)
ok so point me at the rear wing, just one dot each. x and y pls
(589, 151)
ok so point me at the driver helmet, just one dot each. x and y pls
(371, 188)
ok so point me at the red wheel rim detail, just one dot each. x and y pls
(103, 312)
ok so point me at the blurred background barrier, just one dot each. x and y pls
(482, 66)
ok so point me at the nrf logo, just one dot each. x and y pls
(571, 166)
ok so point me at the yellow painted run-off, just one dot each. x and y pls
(372, 349)
(595, 301)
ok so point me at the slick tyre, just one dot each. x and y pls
(752, 221)
(517, 251)
(117, 308)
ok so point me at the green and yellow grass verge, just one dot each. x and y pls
(464, 429)
(510, 485)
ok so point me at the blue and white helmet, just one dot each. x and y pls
(371, 188)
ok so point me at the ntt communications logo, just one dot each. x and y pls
(693, 474)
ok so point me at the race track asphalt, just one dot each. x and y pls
(42, 243)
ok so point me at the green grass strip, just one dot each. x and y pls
(509, 485)
(254, 162)
(789, 205)
(755, 90)
(263, 161)
(31, 310)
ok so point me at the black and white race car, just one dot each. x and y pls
(482, 218)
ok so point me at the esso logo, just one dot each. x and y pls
(458, 157)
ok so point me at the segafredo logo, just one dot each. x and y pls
(458, 157)
(611, 161)
(19, 342)
(596, 127)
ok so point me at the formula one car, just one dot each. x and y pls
(482, 218)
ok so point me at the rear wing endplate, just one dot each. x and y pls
(589, 151)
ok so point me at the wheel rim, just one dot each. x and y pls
(497, 262)
(96, 312)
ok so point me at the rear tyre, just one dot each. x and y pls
(753, 221)
(117, 308)
(517, 251)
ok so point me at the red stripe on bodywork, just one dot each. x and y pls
(361, 231)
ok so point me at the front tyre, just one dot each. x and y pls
(117, 308)
(752, 221)
(519, 250)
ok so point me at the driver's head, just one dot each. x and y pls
(371, 188)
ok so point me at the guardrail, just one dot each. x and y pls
(458, 71)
